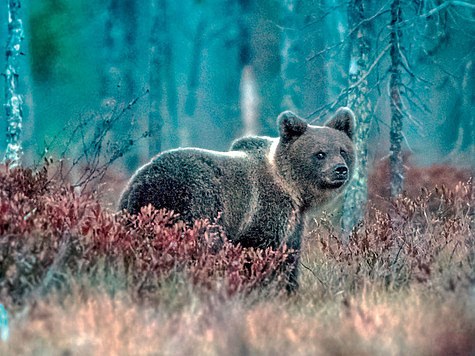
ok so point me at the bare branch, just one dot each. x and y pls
(325, 14)
(446, 4)
(412, 94)
(352, 87)
(376, 61)
(350, 32)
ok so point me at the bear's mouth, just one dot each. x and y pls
(335, 183)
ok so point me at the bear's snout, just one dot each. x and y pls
(340, 172)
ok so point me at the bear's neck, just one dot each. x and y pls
(279, 178)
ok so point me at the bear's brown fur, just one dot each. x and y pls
(260, 189)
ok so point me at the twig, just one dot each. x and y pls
(311, 271)
(446, 4)
(351, 87)
(350, 32)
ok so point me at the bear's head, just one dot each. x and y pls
(315, 161)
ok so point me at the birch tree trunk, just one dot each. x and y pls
(249, 101)
(395, 135)
(13, 100)
(359, 102)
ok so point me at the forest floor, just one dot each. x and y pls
(76, 280)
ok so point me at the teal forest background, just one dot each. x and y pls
(228, 68)
(107, 84)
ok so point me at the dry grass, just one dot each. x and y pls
(374, 322)
(404, 285)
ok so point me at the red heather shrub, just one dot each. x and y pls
(403, 242)
(161, 244)
(48, 232)
(416, 181)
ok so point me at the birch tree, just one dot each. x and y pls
(359, 101)
(13, 100)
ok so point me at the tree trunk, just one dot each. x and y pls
(111, 54)
(119, 82)
(395, 135)
(289, 61)
(334, 30)
(249, 96)
(13, 100)
(266, 58)
(155, 120)
(194, 73)
(244, 40)
(120, 55)
(162, 81)
(249, 101)
(171, 89)
(358, 101)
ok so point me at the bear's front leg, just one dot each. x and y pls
(294, 243)
(293, 272)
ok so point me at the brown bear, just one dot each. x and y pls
(261, 189)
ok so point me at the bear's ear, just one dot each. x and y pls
(291, 126)
(343, 120)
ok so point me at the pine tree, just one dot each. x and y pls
(395, 134)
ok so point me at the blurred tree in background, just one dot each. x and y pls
(201, 73)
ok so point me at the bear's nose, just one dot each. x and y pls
(341, 171)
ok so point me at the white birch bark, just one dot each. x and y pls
(13, 100)
(359, 102)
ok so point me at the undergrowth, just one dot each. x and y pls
(415, 238)
(49, 232)
(77, 278)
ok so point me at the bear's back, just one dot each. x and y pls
(256, 146)
(187, 181)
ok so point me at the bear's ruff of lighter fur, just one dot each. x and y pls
(278, 177)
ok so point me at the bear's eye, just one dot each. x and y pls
(342, 152)
(320, 155)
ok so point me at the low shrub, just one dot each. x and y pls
(415, 238)
(417, 180)
(48, 233)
